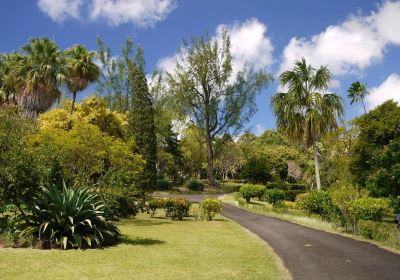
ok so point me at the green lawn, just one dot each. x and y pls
(155, 248)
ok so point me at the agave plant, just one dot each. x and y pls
(71, 218)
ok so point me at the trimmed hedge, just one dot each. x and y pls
(249, 191)
(274, 196)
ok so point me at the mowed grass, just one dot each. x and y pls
(155, 248)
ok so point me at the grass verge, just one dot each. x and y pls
(155, 248)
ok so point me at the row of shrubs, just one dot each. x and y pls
(343, 205)
(178, 208)
(273, 196)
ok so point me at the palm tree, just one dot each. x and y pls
(38, 73)
(306, 112)
(357, 93)
(80, 70)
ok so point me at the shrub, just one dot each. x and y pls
(343, 195)
(368, 208)
(154, 204)
(177, 208)
(195, 185)
(164, 185)
(274, 196)
(210, 207)
(71, 218)
(320, 203)
(249, 191)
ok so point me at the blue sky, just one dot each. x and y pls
(357, 39)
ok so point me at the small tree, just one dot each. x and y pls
(357, 92)
(206, 90)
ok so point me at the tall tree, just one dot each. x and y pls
(357, 92)
(207, 91)
(81, 70)
(306, 112)
(142, 128)
(38, 72)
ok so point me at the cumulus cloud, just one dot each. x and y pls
(250, 47)
(115, 12)
(350, 46)
(389, 89)
(60, 10)
(139, 12)
(249, 44)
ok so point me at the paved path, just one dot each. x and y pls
(313, 254)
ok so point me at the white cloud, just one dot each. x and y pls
(389, 89)
(250, 47)
(387, 21)
(350, 46)
(139, 12)
(60, 10)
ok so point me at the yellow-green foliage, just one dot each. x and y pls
(92, 110)
(93, 146)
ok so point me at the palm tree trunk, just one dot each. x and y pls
(362, 100)
(72, 110)
(317, 177)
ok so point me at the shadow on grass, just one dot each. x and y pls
(155, 222)
(140, 241)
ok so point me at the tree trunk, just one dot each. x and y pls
(210, 161)
(317, 177)
(363, 103)
(72, 110)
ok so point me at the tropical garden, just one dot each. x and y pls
(97, 153)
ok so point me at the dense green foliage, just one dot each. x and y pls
(274, 196)
(69, 218)
(19, 168)
(368, 208)
(375, 160)
(142, 129)
(256, 171)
